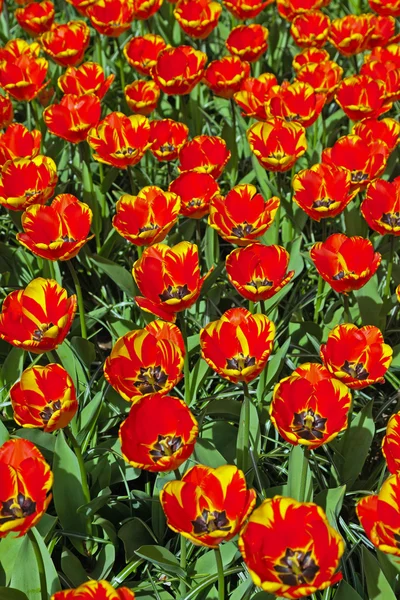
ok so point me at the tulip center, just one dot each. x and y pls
(167, 148)
(323, 203)
(358, 176)
(166, 445)
(243, 229)
(355, 370)
(149, 227)
(296, 567)
(290, 118)
(38, 334)
(151, 379)
(308, 425)
(127, 151)
(240, 362)
(277, 155)
(208, 522)
(16, 508)
(49, 410)
(392, 219)
(257, 283)
(175, 291)
(343, 274)
(31, 193)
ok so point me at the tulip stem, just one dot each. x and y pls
(346, 308)
(80, 299)
(121, 64)
(77, 449)
(318, 298)
(40, 564)
(183, 586)
(304, 472)
(186, 367)
(389, 268)
(221, 576)
(246, 441)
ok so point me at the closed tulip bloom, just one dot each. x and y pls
(387, 76)
(254, 95)
(361, 96)
(385, 7)
(178, 70)
(168, 278)
(382, 130)
(148, 217)
(225, 76)
(101, 590)
(290, 9)
(258, 272)
(23, 77)
(144, 9)
(146, 361)
(323, 76)
(379, 516)
(58, 231)
(197, 18)
(142, 52)
(297, 102)
(238, 345)
(323, 191)
(6, 111)
(290, 549)
(195, 191)
(357, 356)
(350, 34)
(81, 6)
(37, 318)
(26, 181)
(246, 9)
(73, 117)
(310, 28)
(310, 407)
(365, 160)
(18, 142)
(17, 47)
(387, 54)
(111, 17)
(309, 55)
(248, 42)
(44, 398)
(25, 484)
(119, 140)
(391, 444)
(208, 506)
(277, 144)
(205, 154)
(36, 17)
(89, 78)
(66, 43)
(167, 138)
(142, 96)
(346, 263)
(383, 32)
(159, 434)
(243, 215)
(381, 207)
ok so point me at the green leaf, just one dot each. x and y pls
(346, 592)
(299, 469)
(206, 564)
(72, 567)
(272, 370)
(72, 364)
(84, 349)
(11, 370)
(162, 557)
(370, 302)
(12, 594)
(377, 584)
(244, 461)
(53, 583)
(331, 500)
(4, 436)
(134, 534)
(211, 248)
(67, 491)
(118, 274)
(10, 547)
(205, 453)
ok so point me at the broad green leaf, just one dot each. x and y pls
(369, 301)
(10, 547)
(134, 534)
(377, 584)
(72, 567)
(53, 583)
(11, 370)
(271, 372)
(299, 477)
(244, 461)
(84, 349)
(72, 364)
(4, 436)
(205, 453)
(12, 594)
(346, 592)
(121, 276)
(162, 557)
(331, 500)
(206, 564)
(211, 248)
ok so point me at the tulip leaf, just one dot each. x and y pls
(211, 247)
(162, 557)
(134, 534)
(346, 592)
(369, 303)
(11, 370)
(84, 349)
(272, 370)
(68, 493)
(205, 453)
(72, 567)
(331, 500)
(353, 448)
(299, 477)
(118, 274)
(9, 550)
(243, 453)
(377, 584)
(12, 594)
(206, 564)
(4, 436)
(72, 364)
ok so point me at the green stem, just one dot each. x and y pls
(304, 470)
(346, 308)
(80, 299)
(177, 474)
(389, 268)
(318, 298)
(99, 49)
(81, 463)
(186, 367)
(121, 64)
(183, 586)
(131, 176)
(251, 307)
(40, 565)
(246, 442)
(221, 576)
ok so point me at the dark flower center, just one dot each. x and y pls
(342, 275)
(196, 202)
(126, 151)
(149, 227)
(243, 229)
(257, 282)
(167, 148)
(392, 219)
(166, 445)
(49, 410)
(151, 379)
(208, 522)
(308, 425)
(290, 118)
(16, 508)
(31, 193)
(38, 333)
(176, 291)
(296, 567)
(323, 203)
(358, 176)
(278, 155)
(355, 370)
(240, 362)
